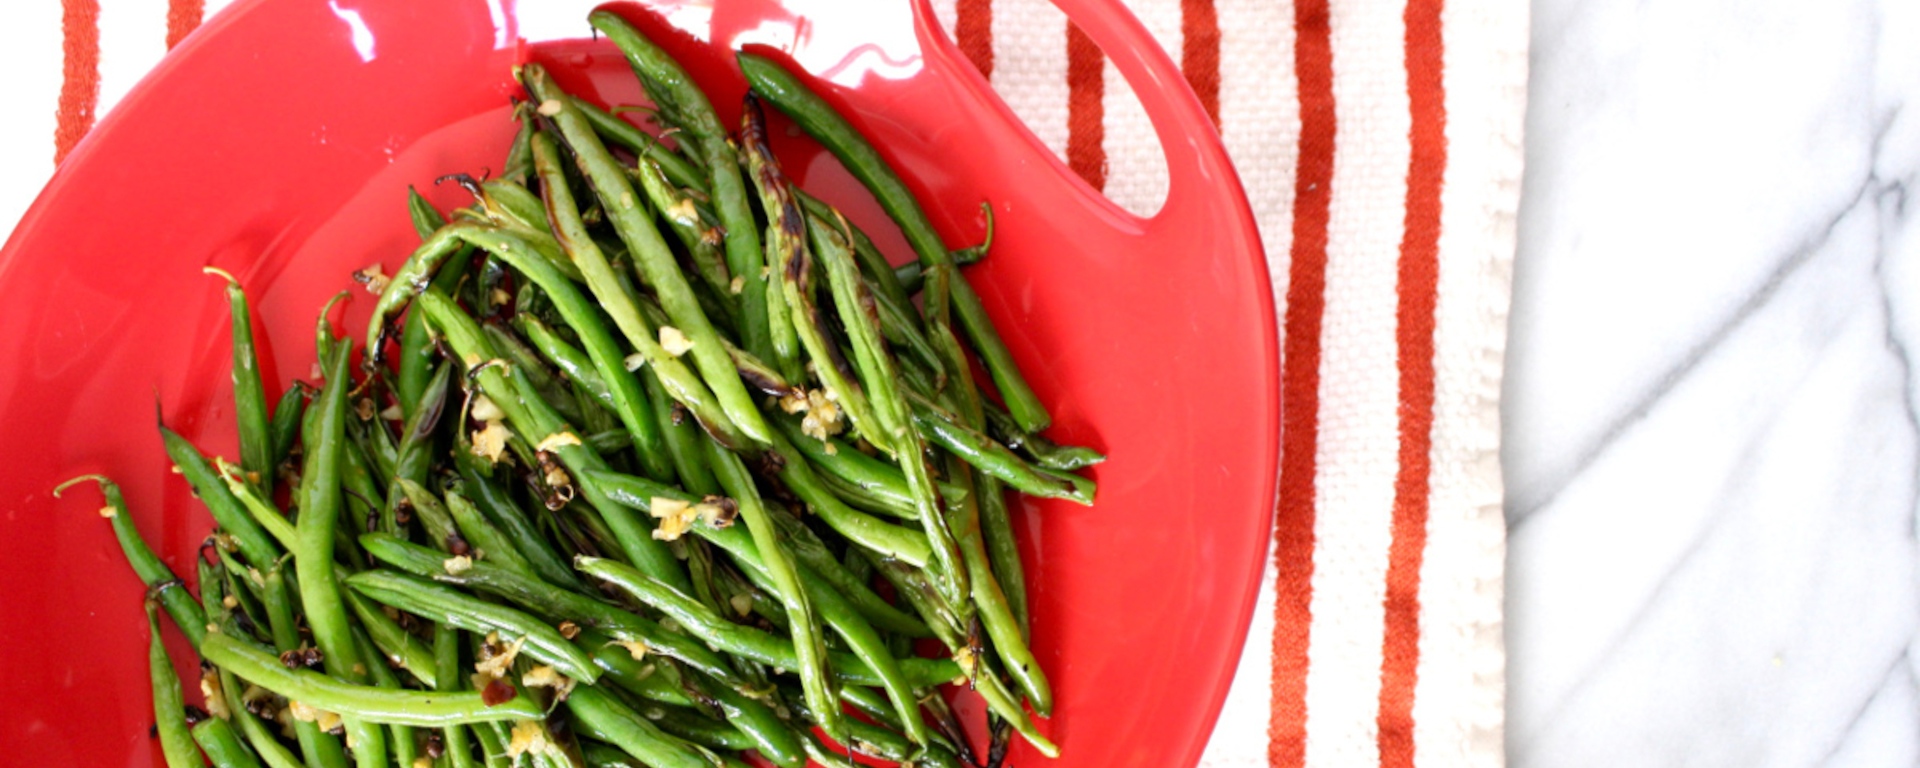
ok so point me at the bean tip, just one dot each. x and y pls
(228, 276)
(61, 488)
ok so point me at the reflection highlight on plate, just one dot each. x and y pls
(360, 35)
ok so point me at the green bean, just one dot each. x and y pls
(785, 240)
(490, 541)
(832, 130)
(432, 513)
(503, 511)
(447, 678)
(211, 578)
(510, 204)
(265, 744)
(818, 752)
(545, 599)
(154, 573)
(683, 104)
(697, 619)
(442, 605)
(840, 614)
(530, 419)
(1045, 453)
(887, 284)
(425, 217)
(898, 318)
(625, 134)
(318, 498)
(630, 531)
(995, 613)
(879, 371)
(843, 462)
(683, 217)
(565, 356)
(603, 717)
(749, 642)
(417, 354)
(169, 708)
(911, 275)
(857, 316)
(394, 644)
(864, 499)
(600, 755)
(227, 513)
(519, 163)
(650, 252)
(549, 387)
(416, 443)
(411, 278)
(640, 678)
(361, 499)
(229, 580)
(870, 652)
(769, 732)
(608, 360)
(993, 458)
(377, 705)
(628, 400)
(222, 745)
(683, 440)
(261, 510)
(914, 586)
(1003, 553)
(493, 744)
(694, 727)
(404, 749)
(869, 739)
(813, 556)
(889, 540)
(286, 422)
(321, 749)
(249, 393)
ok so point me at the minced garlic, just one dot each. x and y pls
(501, 661)
(327, 721)
(530, 738)
(491, 442)
(373, 277)
(683, 211)
(636, 649)
(557, 440)
(675, 342)
(544, 676)
(485, 409)
(457, 565)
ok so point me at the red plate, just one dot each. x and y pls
(278, 143)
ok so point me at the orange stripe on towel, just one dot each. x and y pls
(1418, 288)
(1300, 385)
(80, 74)
(1086, 108)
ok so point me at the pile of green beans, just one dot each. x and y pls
(594, 495)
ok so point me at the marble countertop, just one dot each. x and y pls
(1710, 436)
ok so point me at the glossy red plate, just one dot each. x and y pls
(278, 143)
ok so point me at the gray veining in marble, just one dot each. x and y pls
(1711, 446)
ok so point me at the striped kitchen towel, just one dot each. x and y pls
(1379, 143)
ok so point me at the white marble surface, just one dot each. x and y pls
(1710, 436)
